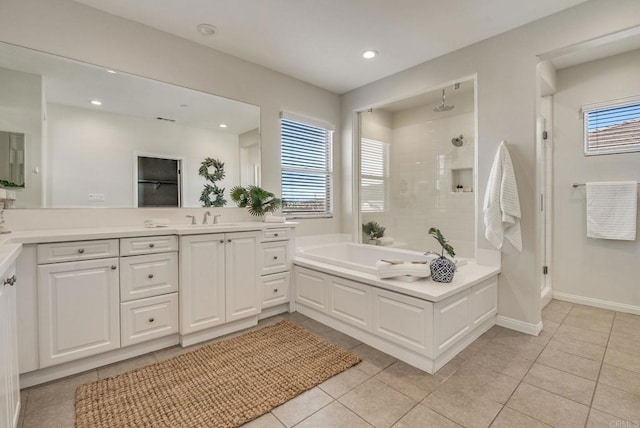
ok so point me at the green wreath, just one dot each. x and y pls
(217, 175)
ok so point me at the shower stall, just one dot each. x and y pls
(417, 169)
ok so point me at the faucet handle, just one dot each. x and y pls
(215, 218)
(193, 218)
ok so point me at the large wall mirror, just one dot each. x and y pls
(77, 135)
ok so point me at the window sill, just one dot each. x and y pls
(307, 217)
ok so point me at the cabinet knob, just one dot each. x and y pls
(228, 240)
(275, 257)
(275, 234)
(80, 250)
(10, 281)
(222, 241)
(152, 245)
(275, 290)
(114, 267)
(150, 276)
(151, 319)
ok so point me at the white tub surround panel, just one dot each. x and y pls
(423, 323)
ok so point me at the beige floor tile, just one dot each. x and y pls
(525, 346)
(616, 377)
(409, 380)
(334, 415)
(493, 332)
(582, 335)
(478, 345)
(502, 359)
(561, 383)
(550, 326)
(624, 328)
(450, 368)
(300, 407)
(468, 410)
(295, 317)
(559, 306)
(174, 351)
(554, 316)
(314, 326)
(587, 322)
(598, 419)
(617, 402)
(55, 393)
(126, 366)
(515, 338)
(549, 408)
(421, 416)
(576, 347)
(622, 344)
(340, 339)
(593, 312)
(265, 421)
(344, 382)
(623, 360)
(509, 418)
(373, 360)
(269, 321)
(478, 381)
(60, 415)
(379, 404)
(569, 363)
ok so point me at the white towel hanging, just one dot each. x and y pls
(612, 210)
(502, 203)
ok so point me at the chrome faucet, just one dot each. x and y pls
(215, 218)
(193, 219)
(204, 218)
(429, 253)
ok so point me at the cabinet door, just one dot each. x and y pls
(244, 296)
(78, 310)
(202, 293)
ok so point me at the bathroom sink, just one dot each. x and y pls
(217, 225)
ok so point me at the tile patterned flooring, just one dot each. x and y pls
(582, 371)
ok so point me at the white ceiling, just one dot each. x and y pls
(74, 84)
(321, 42)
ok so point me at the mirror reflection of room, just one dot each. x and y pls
(416, 169)
(84, 127)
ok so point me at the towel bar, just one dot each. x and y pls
(583, 184)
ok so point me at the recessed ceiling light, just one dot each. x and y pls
(112, 72)
(206, 29)
(369, 54)
(223, 125)
(96, 102)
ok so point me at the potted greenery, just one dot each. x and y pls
(372, 230)
(442, 268)
(257, 200)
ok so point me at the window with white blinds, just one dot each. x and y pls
(374, 173)
(306, 169)
(613, 128)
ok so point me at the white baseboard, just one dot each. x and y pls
(523, 327)
(598, 303)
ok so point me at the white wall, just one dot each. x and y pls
(601, 269)
(92, 151)
(70, 29)
(506, 71)
(21, 111)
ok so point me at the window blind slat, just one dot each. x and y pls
(306, 168)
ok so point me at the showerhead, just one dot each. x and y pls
(457, 141)
(443, 107)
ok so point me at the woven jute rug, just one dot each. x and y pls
(223, 384)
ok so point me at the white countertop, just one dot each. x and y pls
(426, 289)
(11, 243)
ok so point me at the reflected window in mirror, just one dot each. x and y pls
(159, 183)
(11, 159)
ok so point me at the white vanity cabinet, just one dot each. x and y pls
(9, 383)
(78, 309)
(218, 279)
(276, 250)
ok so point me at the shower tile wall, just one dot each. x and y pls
(423, 161)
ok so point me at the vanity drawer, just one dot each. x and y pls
(148, 245)
(275, 289)
(77, 250)
(275, 257)
(148, 275)
(148, 319)
(275, 234)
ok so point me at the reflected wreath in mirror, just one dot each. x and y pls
(217, 175)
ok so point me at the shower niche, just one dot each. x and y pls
(462, 180)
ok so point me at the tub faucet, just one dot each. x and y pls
(204, 218)
(429, 253)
